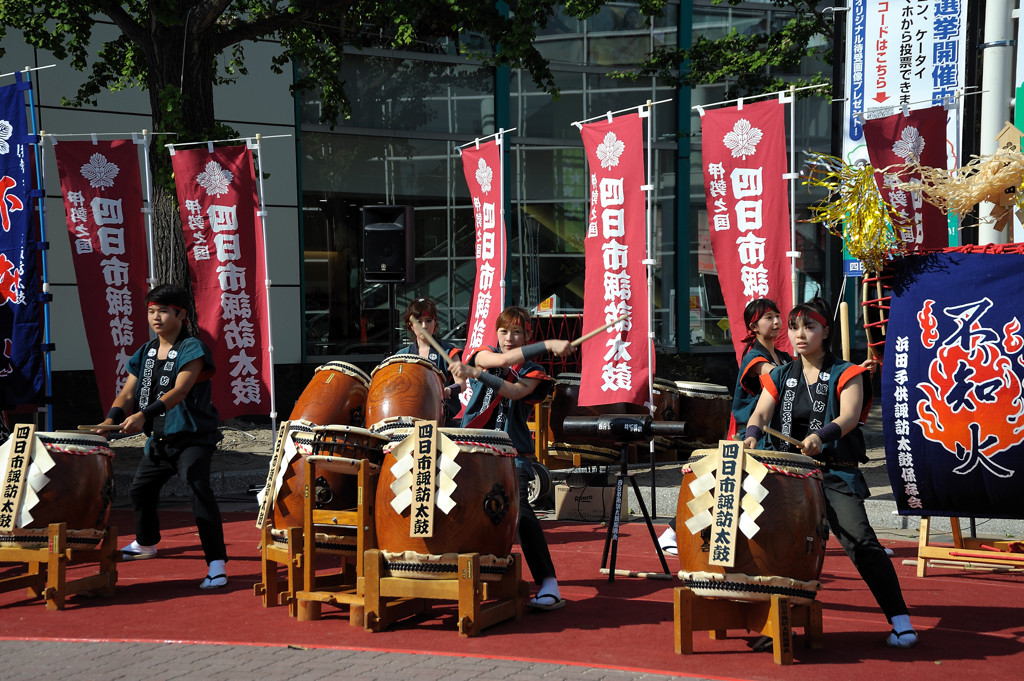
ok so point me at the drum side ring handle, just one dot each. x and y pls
(496, 503)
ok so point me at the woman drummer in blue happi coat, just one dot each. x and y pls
(821, 400)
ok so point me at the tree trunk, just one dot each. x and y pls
(181, 97)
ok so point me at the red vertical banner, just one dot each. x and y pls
(744, 162)
(482, 167)
(102, 190)
(615, 363)
(224, 240)
(894, 142)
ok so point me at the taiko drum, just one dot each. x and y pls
(336, 395)
(331, 490)
(706, 408)
(486, 498)
(790, 543)
(405, 385)
(79, 486)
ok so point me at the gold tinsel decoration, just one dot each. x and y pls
(993, 178)
(854, 209)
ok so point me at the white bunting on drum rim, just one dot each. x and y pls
(403, 471)
(22, 482)
(285, 452)
(275, 472)
(706, 509)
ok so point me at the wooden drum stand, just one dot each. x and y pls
(46, 566)
(775, 618)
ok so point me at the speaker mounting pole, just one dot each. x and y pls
(392, 316)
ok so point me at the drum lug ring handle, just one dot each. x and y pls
(496, 503)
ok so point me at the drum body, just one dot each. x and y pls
(707, 410)
(486, 497)
(565, 402)
(335, 395)
(789, 548)
(80, 483)
(405, 385)
(667, 405)
(333, 490)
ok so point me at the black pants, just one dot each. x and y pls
(531, 536)
(192, 464)
(848, 521)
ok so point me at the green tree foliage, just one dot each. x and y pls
(179, 50)
(759, 61)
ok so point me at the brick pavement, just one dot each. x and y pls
(151, 661)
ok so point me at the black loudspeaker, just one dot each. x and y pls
(388, 246)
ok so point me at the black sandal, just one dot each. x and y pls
(212, 581)
(893, 641)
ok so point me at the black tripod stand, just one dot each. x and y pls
(624, 429)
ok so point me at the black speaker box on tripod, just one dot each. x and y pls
(388, 244)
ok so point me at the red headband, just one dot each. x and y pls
(153, 303)
(815, 316)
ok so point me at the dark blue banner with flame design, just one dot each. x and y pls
(21, 356)
(952, 403)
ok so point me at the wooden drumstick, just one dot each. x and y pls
(421, 333)
(107, 426)
(579, 341)
(844, 328)
(783, 437)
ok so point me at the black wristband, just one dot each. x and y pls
(154, 409)
(490, 380)
(754, 432)
(829, 432)
(534, 350)
(453, 389)
(116, 414)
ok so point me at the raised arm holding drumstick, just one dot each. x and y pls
(506, 383)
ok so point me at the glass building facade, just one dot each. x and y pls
(410, 113)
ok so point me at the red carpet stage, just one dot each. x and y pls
(970, 622)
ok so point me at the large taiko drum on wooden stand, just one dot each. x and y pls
(69, 479)
(706, 408)
(405, 385)
(335, 395)
(476, 477)
(786, 553)
(332, 490)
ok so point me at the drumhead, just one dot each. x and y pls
(75, 443)
(665, 384)
(388, 425)
(407, 359)
(767, 456)
(340, 431)
(345, 368)
(698, 389)
(468, 439)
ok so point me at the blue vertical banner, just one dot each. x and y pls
(21, 357)
(953, 385)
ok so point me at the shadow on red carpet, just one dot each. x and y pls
(970, 622)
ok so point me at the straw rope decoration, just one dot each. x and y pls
(993, 178)
(854, 210)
